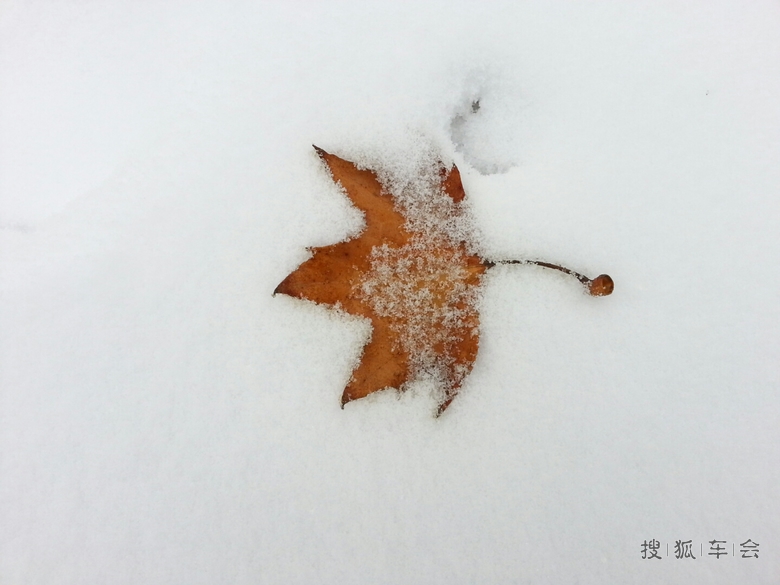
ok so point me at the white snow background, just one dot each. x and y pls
(164, 419)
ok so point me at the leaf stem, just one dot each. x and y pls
(600, 286)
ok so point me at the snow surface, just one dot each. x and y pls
(164, 419)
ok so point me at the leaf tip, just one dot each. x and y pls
(452, 185)
(443, 406)
(282, 288)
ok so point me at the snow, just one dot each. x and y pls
(164, 419)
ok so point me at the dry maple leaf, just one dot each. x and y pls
(412, 276)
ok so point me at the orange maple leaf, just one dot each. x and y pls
(411, 277)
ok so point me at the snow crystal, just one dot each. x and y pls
(427, 289)
(426, 297)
